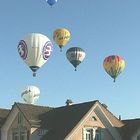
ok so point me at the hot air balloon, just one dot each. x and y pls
(114, 65)
(51, 2)
(35, 49)
(61, 37)
(30, 94)
(75, 55)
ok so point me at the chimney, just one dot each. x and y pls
(120, 117)
(69, 102)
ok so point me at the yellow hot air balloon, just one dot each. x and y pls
(114, 65)
(61, 37)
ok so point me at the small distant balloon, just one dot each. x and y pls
(30, 94)
(114, 65)
(75, 56)
(61, 37)
(35, 50)
(51, 2)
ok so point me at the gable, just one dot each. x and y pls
(91, 122)
(33, 113)
(103, 121)
(11, 122)
(10, 118)
(19, 120)
(61, 121)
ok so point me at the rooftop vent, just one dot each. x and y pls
(69, 102)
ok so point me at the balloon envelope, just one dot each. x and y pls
(114, 65)
(51, 2)
(35, 49)
(30, 94)
(61, 36)
(75, 55)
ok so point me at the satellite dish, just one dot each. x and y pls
(30, 94)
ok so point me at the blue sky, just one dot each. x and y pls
(100, 27)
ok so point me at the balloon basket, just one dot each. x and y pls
(34, 74)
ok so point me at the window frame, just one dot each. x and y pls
(93, 132)
(19, 133)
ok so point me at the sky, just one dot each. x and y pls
(100, 27)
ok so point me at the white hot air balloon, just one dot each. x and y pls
(30, 94)
(35, 49)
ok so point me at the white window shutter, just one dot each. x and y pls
(84, 134)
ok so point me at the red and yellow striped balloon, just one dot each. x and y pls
(114, 65)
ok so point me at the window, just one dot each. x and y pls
(89, 134)
(94, 118)
(20, 118)
(92, 133)
(23, 136)
(15, 136)
(41, 132)
(19, 135)
(98, 135)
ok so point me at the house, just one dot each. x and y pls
(84, 121)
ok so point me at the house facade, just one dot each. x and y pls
(83, 121)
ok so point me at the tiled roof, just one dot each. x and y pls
(3, 115)
(118, 124)
(33, 112)
(60, 121)
(114, 120)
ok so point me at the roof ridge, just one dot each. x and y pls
(131, 119)
(33, 105)
(77, 104)
(110, 112)
(56, 107)
(6, 109)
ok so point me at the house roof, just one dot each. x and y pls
(131, 126)
(60, 121)
(3, 115)
(113, 119)
(33, 112)
(118, 124)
